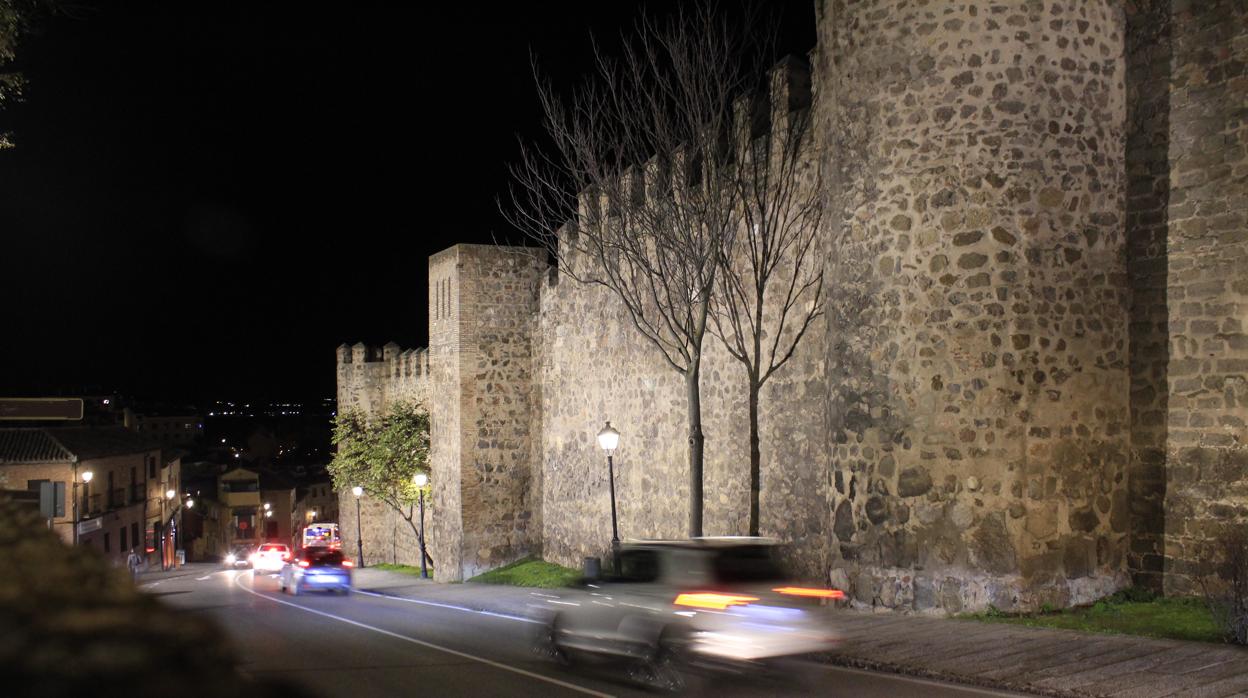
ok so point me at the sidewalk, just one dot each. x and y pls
(155, 574)
(1009, 657)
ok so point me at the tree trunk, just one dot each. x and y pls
(411, 521)
(693, 387)
(755, 459)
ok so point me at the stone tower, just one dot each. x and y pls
(977, 338)
(482, 313)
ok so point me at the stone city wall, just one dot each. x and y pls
(596, 366)
(1031, 383)
(1206, 292)
(369, 379)
(977, 359)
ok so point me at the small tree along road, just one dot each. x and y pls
(382, 455)
(770, 281)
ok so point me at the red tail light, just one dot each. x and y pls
(348, 563)
(813, 593)
(302, 563)
(712, 600)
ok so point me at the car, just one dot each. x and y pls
(317, 568)
(239, 556)
(678, 610)
(270, 557)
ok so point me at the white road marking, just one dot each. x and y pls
(452, 607)
(430, 645)
(200, 579)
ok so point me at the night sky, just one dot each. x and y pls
(208, 197)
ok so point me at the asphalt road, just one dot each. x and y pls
(361, 646)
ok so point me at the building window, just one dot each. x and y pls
(134, 533)
(122, 537)
(107, 549)
(151, 467)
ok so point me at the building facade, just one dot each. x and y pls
(101, 487)
(1031, 382)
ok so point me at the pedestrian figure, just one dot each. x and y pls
(132, 561)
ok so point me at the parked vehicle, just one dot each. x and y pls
(270, 557)
(318, 567)
(681, 609)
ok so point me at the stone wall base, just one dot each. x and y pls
(966, 591)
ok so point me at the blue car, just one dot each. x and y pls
(317, 568)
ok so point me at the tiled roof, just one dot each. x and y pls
(98, 442)
(31, 446)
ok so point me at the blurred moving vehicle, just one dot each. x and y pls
(317, 567)
(680, 609)
(270, 557)
(239, 556)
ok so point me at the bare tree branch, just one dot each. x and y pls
(770, 282)
(636, 194)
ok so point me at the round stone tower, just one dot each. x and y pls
(977, 358)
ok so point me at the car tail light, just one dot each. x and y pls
(303, 563)
(812, 593)
(348, 563)
(712, 600)
(285, 557)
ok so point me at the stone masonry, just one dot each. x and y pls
(1031, 382)
(1187, 228)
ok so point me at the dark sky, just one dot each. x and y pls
(208, 197)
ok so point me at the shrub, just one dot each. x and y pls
(73, 625)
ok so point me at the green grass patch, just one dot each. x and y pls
(530, 572)
(1128, 612)
(405, 569)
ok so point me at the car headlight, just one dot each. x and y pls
(230, 559)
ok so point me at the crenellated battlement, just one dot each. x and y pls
(370, 377)
(785, 91)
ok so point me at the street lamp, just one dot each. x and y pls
(421, 479)
(165, 535)
(609, 439)
(359, 532)
(86, 493)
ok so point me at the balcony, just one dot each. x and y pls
(117, 498)
(92, 505)
(137, 492)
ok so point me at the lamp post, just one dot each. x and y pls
(421, 479)
(166, 536)
(359, 532)
(609, 439)
(86, 493)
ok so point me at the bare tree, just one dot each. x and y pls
(770, 282)
(639, 172)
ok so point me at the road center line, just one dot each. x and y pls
(430, 645)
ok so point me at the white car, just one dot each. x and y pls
(680, 608)
(270, 557)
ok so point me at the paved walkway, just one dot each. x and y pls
(155, 574)
(1010, 657)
